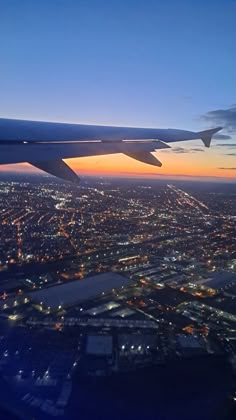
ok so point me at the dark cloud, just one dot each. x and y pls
(179, 150)
(222, 137)
(231, 154)
(197, 150)
(182, 150)
(173, 150)
(223, 117)
(226, 169)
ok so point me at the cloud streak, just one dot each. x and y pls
(227, 169)
(196, 150)
(222, 137)
(182, 150)
(226, 145)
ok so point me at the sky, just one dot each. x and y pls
(152, 63)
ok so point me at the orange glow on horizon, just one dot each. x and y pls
(174, 164)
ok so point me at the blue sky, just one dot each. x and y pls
(125, 62)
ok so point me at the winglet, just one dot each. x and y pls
(207, 135)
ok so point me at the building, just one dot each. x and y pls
(99, 345)
(74, 292)
(220, 279)
(190, 345)
(98, 358)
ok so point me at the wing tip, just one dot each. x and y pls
(206, 136)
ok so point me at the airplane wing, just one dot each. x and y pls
(45, 144)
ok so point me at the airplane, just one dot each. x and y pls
(45, 144)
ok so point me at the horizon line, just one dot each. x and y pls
(202, 178)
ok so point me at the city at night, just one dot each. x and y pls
(112, 278)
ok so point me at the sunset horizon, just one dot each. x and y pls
(140, 76)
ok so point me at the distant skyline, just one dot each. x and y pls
(127, 62)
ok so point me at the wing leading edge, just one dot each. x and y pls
(44, 145)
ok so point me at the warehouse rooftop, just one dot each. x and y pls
(74, 292)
